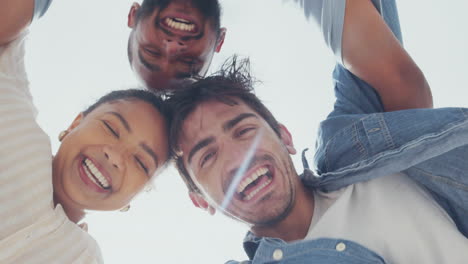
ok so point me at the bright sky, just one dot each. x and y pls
(77, 52)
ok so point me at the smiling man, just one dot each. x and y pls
(391, 185)
(173, 39)
(235, 156)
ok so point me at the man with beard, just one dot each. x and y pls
(234, 156)
(175, 39)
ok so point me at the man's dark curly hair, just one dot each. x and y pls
(231, 84)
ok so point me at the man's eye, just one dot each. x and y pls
(244, 131)
(153, 52)
(142, 165)
(207, 157)
(110, 129)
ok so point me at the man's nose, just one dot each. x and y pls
(114, 156)
(173, 46)
(239, 157)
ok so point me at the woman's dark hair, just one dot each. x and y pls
(155, 100)
(231, 84)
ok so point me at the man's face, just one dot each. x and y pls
(215, 142)
(109, 155)
(174, 42)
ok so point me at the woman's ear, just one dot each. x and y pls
(287, 139)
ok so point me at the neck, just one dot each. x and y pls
(296, 225)
(75, 215)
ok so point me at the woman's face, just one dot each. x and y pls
(109, 155)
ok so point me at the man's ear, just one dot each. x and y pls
(199, 201)
(76, 121)
(220, 41)
(131, 23)
(287, 139)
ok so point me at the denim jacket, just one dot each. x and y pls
(359, 142)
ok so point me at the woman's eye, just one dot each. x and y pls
(142, 165)
(207, 157)
(110, 129)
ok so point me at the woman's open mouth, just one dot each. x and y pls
(93, 177)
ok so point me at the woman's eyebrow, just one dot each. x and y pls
(151, 153)
(122, 120)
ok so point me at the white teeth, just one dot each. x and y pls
(94, 174)
(248, 197)
(185, 25)
(251, 178)
(183, 20)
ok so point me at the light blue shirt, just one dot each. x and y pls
(40, 8)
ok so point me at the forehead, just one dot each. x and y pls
(209, 117)
(144, 119)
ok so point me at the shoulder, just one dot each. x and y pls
(12, 53)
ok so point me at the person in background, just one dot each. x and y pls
(175, 39)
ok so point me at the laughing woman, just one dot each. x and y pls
(107, 155)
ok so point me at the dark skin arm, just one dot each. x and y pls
(372, 52)
(15, 16)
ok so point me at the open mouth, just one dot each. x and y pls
(251, 185)
(95, 175)
(180, 24)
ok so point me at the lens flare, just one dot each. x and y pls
(241, 171)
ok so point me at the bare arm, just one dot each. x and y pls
(372, 52)
(15, 16)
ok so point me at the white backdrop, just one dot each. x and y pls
(77, 52)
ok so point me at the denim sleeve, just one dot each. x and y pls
(429, 145)
(40, 8)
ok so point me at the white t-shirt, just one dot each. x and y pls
(392, 216)
(31, 229)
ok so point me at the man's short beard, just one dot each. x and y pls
(291, 199)
(278, 218)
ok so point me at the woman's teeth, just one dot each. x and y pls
(94, 174)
